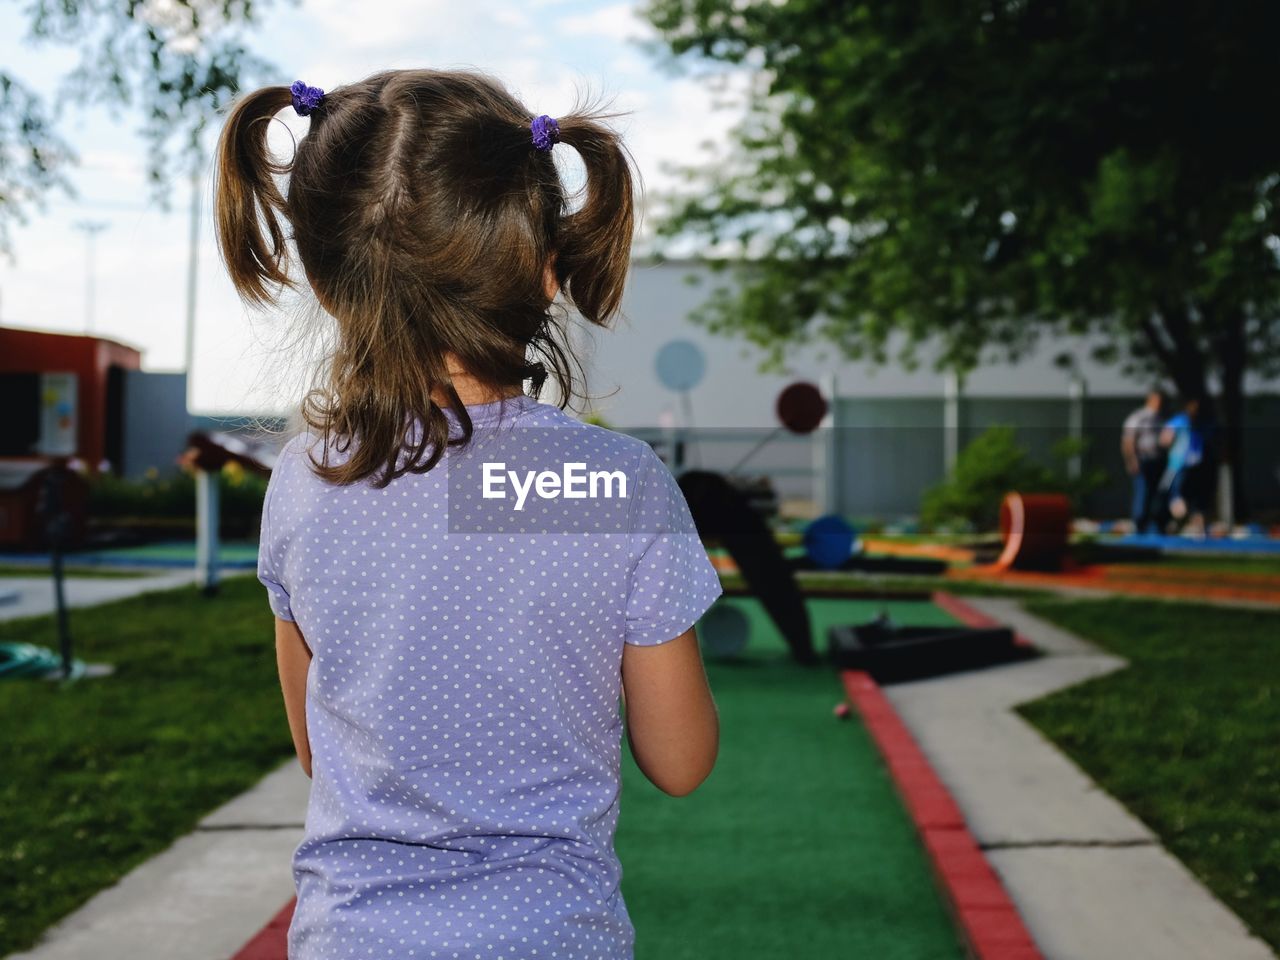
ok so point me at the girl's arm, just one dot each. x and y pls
(293, 657)
(672, 723)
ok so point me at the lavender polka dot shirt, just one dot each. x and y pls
(462, 702)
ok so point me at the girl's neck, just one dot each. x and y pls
(472, 391)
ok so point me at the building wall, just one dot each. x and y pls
(891, 444)
(736, 394)
(91, 360)
(156, 422)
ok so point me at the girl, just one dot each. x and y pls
(453, 689)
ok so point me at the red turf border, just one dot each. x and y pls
(990, 923)
(970, 616)
(272, 941)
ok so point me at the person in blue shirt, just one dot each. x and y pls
(1187, 480)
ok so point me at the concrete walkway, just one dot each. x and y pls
(1091, 881)
(35, 594)
(204, 896)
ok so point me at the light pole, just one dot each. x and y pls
(193, 270)
(90, 229)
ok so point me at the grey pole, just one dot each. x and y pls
(826, 451)
(1075, 424)
(952, 389)
(207, 520)
(90, 229)
(193, 270)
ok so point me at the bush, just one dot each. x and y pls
(174, 496)
(994, 464)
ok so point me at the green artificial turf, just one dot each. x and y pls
(1186, 737)
(101, 774)
(796, 845)
(825, 612)
(860, 583)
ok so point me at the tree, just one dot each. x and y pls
(179, 60)
(984, 173)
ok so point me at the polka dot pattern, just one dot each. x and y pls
(463, 703)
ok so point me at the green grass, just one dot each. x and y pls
(796, 845)
(1186, 737)
(101, 774)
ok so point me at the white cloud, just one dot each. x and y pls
(386, 24)
(620, 22)
(125, 169)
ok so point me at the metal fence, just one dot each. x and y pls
(876, 456)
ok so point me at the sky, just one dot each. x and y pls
(545, 50)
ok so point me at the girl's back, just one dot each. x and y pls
(462, 699)
(452, 662)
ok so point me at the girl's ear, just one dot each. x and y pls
(550, 283)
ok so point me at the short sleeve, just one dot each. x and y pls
(268, 570)
(672, 581)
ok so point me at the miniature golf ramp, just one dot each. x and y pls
(1035, 528)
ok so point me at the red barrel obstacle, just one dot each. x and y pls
(1035, 528)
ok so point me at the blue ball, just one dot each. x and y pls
(829, 541)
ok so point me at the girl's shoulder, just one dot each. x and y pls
(293, 459)
(601, 441)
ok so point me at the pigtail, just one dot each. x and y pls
(594, 243)
(247, 198)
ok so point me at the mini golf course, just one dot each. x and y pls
(813, 836)
(839, 873)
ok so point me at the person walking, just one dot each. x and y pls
(1144, 459)
(1188, 478)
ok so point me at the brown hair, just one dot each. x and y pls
(423, 217)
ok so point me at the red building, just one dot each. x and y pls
(63, 394)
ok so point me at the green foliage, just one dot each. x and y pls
(992, 465)
(174, 496)
(1185, 736)
(178, 62)
(32, 155)
(978, 174)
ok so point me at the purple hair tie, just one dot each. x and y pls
(305, 99)
(546, 132)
